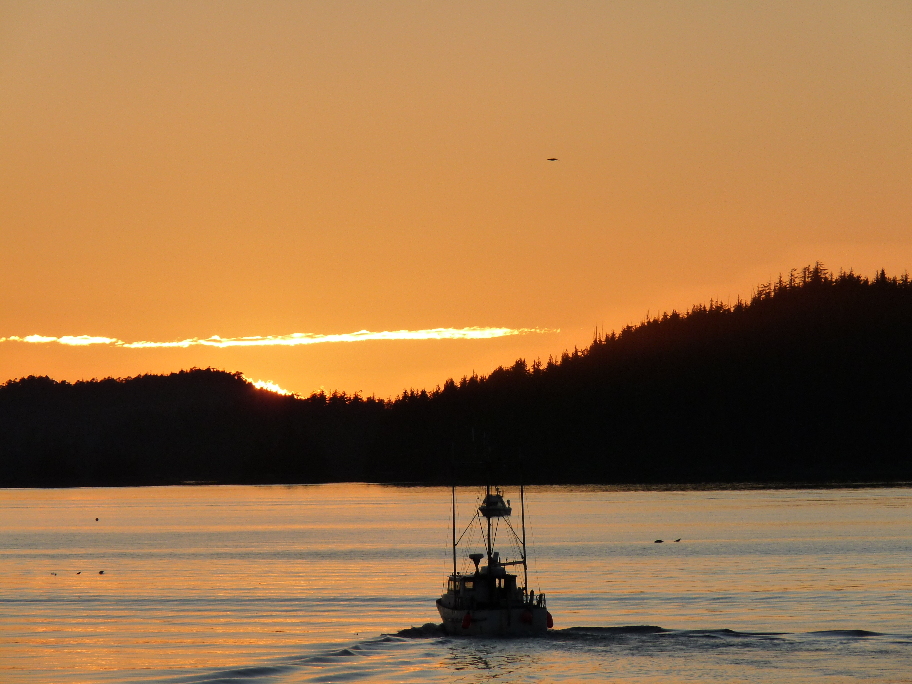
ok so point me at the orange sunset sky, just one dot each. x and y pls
(178, 170)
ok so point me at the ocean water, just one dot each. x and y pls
(324, 583)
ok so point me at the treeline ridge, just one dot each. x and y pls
(807, 381)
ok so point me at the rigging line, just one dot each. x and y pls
(466, 529)
(475, 540)
(472, 542)
(516, 538)
(515, 542)
(464, 556)
(531, 559)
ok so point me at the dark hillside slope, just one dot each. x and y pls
(810, 381)
(198, 425)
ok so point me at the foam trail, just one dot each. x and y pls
(292, 340)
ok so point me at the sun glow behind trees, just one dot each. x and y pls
(268, 385)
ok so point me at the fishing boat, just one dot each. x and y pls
(488, 601)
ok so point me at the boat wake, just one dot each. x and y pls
(428, 630)
(432, 630)
(376, 659)
(427, 654)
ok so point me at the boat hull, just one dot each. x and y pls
(521, 621)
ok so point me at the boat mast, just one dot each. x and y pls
(522, 508)
(454, 528)
(490, 549)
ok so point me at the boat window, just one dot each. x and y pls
(469, 584)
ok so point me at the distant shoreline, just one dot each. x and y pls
(703, 487)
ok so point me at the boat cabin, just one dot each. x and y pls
(483, 591)
(494, 506)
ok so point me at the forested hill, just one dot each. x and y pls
(809, 381)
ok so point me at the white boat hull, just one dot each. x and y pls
(520, 621)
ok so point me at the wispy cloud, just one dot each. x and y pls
(292, 340)
(71, 340)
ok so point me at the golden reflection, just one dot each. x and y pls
(226, 576)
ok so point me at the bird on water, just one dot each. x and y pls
(552, 159)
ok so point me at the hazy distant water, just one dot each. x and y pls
(298, 584)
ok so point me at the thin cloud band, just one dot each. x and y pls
(292, 340)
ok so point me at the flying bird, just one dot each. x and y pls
(552, 159)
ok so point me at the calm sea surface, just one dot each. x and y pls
(321, 583)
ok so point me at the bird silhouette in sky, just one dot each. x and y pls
(552, 159)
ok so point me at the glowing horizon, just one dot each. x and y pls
(269, 385)
(291, 340)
